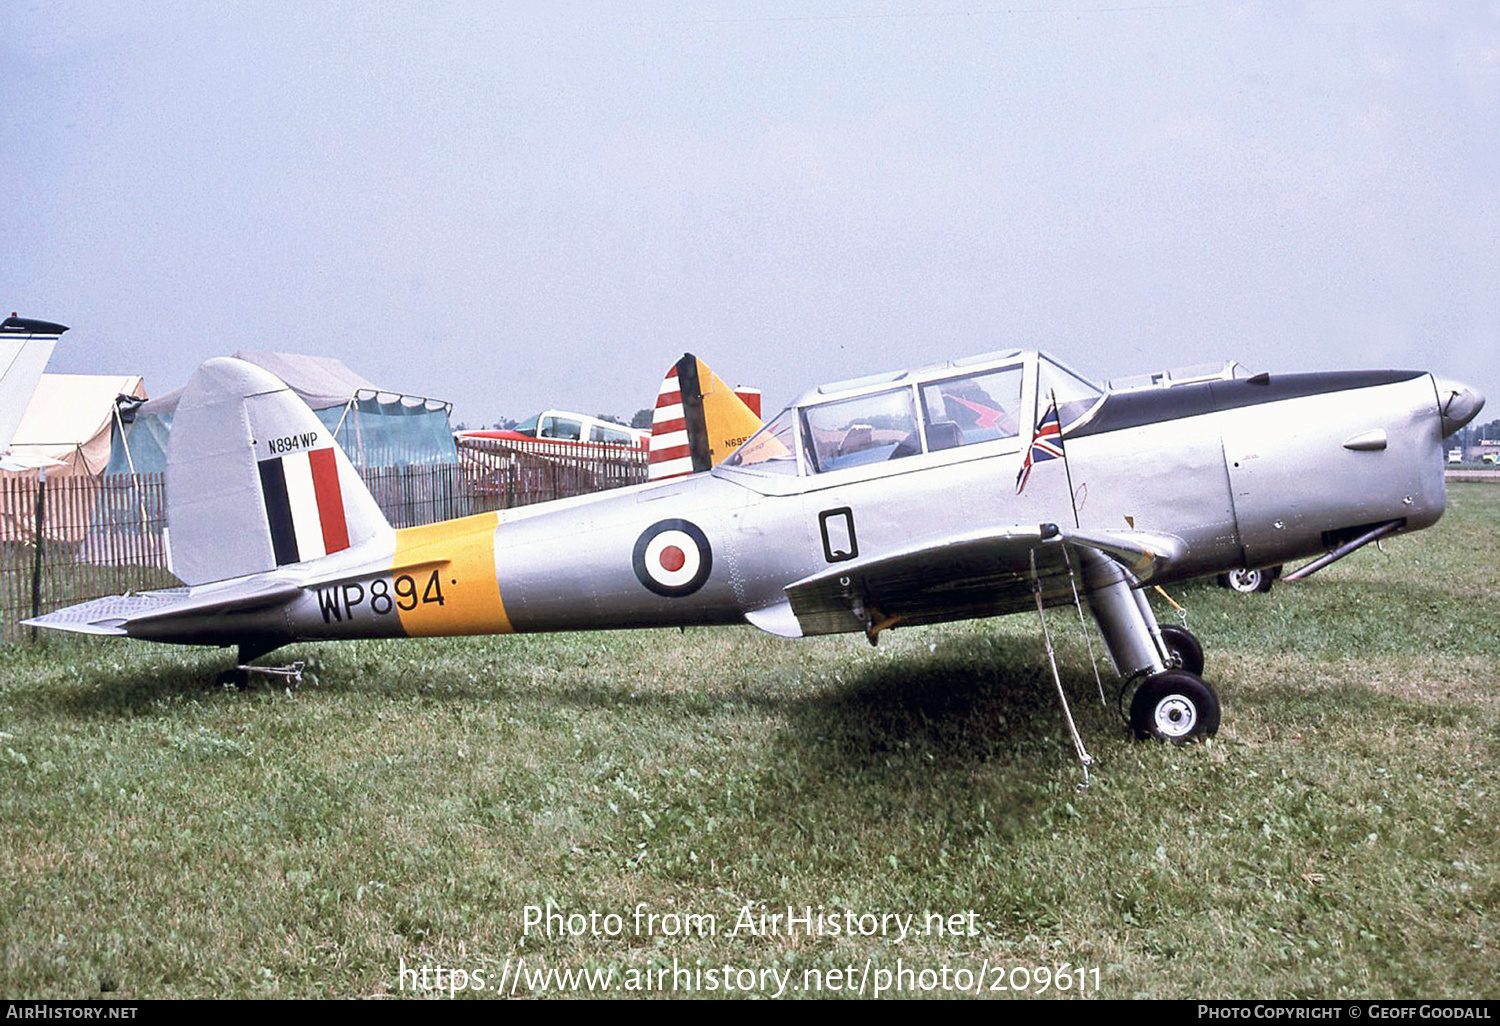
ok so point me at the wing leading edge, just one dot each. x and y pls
(972, 574)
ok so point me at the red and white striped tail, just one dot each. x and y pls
(699, 420)
(670, 454)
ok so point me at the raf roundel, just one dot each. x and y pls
(673, 558)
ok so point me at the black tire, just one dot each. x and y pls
(1174, 706)
(1247, 582)
(1184, 650)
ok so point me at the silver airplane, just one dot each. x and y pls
(984, 486)
(25, 347)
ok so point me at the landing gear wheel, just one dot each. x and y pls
(1174, 706)
(1247, 582)
(1184, 650)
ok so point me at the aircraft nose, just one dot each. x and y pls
(1457, 404)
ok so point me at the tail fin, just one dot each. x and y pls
(254, 479)
(699, 420)
(25, 348)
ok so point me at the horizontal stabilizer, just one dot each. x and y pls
(104, 615)
(114, 614)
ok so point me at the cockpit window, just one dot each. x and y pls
(866, 429)
(608, 435)
(974, 408)
(561, 427)
(773, 448)
(1075, 395)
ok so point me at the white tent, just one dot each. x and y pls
(70, 417)
(376, 427)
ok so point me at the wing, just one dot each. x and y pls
(960, 576)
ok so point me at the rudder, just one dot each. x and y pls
(255, 481)
(25, 347)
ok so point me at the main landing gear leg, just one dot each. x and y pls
(1171, 703)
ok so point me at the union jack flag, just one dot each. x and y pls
(1046, 444)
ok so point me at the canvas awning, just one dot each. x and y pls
(376, 427)
(70, 417)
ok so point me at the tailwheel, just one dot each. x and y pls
(1174, 705)
(1184, 650)
(240, 676)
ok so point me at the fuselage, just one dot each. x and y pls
(1245, 472)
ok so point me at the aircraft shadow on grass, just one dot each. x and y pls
(973, 701)
(103, 692)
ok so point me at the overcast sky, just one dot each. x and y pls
(520, 205)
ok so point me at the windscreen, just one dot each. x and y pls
(1075, 395)
(772, 449)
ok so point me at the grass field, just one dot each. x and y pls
(165, 838)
